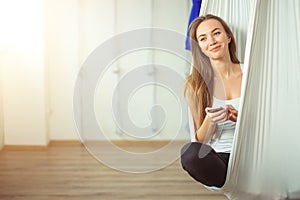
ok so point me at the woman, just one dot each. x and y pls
(215, 82)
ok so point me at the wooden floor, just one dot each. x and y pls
(67, 171)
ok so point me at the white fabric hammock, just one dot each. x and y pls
(265, 163)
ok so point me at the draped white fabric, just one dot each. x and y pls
(265, 162)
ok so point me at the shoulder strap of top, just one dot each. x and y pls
(242, 66)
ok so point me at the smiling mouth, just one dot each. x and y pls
(215, 48)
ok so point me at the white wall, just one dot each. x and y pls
(2, 53)
(23, 72)
(62, 64)
(1, 111)
(44, 44)
(150, 13)
(73, 30)
(166, 16)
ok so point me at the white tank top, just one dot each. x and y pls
(223, 138)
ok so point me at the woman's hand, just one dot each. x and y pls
(216, 116)
(227, 113)
(232, 113)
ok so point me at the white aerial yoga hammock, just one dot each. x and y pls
(265, 160)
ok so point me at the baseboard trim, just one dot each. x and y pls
(52, 143)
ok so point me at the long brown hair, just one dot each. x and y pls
(199, 84)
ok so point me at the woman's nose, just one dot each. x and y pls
(211, 40)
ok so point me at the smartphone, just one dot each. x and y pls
(211, 110)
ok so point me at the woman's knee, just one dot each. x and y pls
(192, 153)
(199, 161)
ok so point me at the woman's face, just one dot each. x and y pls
(212, 39)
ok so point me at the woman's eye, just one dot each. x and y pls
(202, 39)
(217, 33)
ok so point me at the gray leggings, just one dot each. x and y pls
(204, 164)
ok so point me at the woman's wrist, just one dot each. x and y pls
(210, 122)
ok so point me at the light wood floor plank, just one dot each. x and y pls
(69, 172)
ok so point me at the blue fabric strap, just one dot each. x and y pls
(194, 14)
